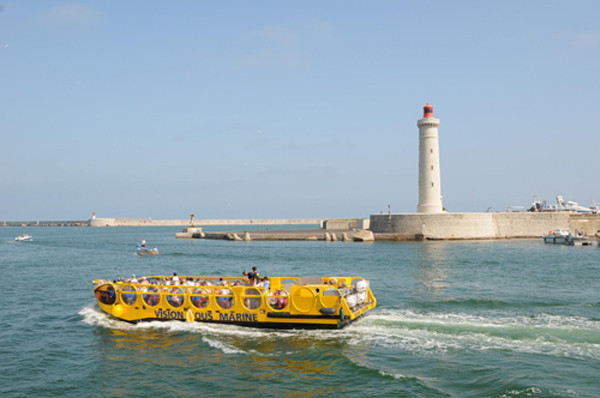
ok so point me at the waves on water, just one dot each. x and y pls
(544, 334)
(419, 333)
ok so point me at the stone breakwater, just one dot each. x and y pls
(53, 223)
(148, 222)
(329, 235)
(456, 226)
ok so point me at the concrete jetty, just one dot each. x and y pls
(149, 222)
(54, 223)
(343, 235)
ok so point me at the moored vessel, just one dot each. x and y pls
(565, 237)
(559, 236)
(286, 303)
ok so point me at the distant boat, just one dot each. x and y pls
(565, 237)
(142, 251)
(24, 238)
(559, 236)
(562, 205)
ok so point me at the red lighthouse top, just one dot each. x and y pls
(428, 110)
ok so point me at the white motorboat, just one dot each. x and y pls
(559, 236)
(24, 238)
(565, 237)
(562, 205)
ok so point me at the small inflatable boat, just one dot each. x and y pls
(142, 251)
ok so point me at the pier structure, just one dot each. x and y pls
(149, 222)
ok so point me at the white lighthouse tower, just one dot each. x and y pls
(430, 192)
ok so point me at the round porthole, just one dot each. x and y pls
(224, 298)
(128, 294)
(151, 300)
(199, 298)
(106, 294)
(175, 297)
(252, 299)
(278, 299)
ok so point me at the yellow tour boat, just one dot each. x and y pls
(286, 303)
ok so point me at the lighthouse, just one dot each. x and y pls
(430, 192)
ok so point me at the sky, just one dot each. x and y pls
(292, 109)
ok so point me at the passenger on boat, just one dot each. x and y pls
(176, 300)
(175, 278)
(150, 299)
(278, 300)
(143, 244)
(224, 302)
(133, 279)
(253, 277)
(199, 301)
(265, 282)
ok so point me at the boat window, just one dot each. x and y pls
(252, 299)
(360, 285)
(106, 294)
(224, 298)
(175, 297)
(128, 298)
(199, 298)
(151, 300)
(278, 299)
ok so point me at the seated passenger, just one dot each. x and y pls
(174, 300)
(224, 302)
(199, 301)
(278, 300)
(266, 283)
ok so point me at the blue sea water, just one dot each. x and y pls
(455, 319)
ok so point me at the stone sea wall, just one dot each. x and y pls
(503, 225)
(141, 222)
